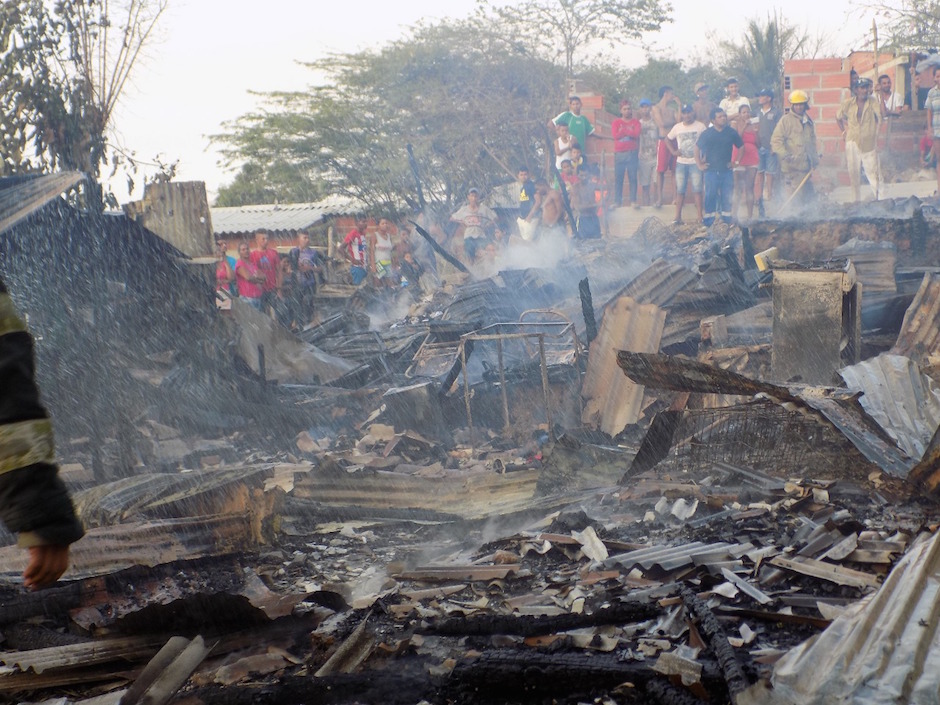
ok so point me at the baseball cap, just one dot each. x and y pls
(765, 92)
(699, 86)
(645, 102)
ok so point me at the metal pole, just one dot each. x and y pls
(466, 390)
(548, 405)
(502, 384)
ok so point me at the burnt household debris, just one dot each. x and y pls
(686, 466)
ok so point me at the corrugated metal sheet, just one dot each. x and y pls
(21, 197)
(920, 330)
(904, 402)
(611, 399)
(883, 649)
(658, 284)
(846, 414)
(669, 558)
(278, 218)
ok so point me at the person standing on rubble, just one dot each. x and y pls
(858, 118)
(794, 143)
(34, 501)
(268, 262)
(355, 247)
(713, 156)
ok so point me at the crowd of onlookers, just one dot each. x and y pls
(729, 159)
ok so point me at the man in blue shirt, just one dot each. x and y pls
(713, 156)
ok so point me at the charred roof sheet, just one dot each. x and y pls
(20, 197)
(278, 218)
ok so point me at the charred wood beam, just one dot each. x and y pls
(659, 690)
(440, 250)
(713, 632)
(55, 600)
(587, 310)
(525, 625)
(510, 676)
(385, 687)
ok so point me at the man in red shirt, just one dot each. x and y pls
(267, 260)
(355, 247)
(626, 134)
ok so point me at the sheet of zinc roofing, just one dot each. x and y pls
(883, 649)
(278, 217)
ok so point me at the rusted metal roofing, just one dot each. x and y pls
(920, 330)
(278, 218)
(883, 649)
(612, 401)
(904, 402)
(21, 197)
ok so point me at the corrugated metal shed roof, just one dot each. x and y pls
(883, 649)
(904, 402)
(278, 218)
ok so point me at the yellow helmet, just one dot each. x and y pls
(798, 96)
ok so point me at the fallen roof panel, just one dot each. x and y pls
(883, 649)
(903, 401)
(21, 197)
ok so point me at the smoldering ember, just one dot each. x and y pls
(674, 465)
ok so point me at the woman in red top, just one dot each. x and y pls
(746, 160)
(250, 279)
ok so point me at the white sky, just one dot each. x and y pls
(208, 56)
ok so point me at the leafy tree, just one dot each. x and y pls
(562, 28)
(471, 104)
(907, 24)
(65, 64)
(757, 59)
(645, 81)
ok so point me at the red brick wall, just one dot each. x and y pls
(827, 83)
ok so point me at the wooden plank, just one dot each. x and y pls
(827, 571)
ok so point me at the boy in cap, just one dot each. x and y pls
(681, 142)
(733, 101)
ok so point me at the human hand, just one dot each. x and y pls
(46, 565)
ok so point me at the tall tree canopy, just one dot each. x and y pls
(64, 66)
(563, 28)
(472, 104)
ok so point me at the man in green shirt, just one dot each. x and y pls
(578, 125)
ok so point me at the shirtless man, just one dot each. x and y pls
(548, 207)
(665, 114)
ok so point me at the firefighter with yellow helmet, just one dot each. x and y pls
(794, 143)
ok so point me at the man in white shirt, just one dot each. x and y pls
(892, 103)
(732, 102)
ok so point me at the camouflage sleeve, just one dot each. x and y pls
(34, 501)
